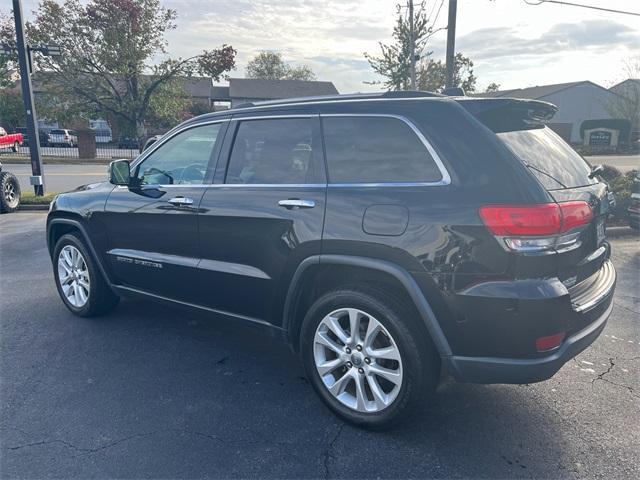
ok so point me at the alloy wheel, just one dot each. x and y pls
(73, 275)
(10, 194)
(358, 360)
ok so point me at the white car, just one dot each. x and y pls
(62, 137)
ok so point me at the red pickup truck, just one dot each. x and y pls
(12, 141)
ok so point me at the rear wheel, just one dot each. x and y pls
(80, 285)
(366, 357)
(9, 192)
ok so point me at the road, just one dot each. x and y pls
(153, 392)
(59, 178)
(62, 178)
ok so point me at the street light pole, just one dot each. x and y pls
(412, 46)
(37, 179)
(451, 42)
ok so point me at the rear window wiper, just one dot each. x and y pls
(528, 165)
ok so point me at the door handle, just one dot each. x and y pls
(180, 201)
(292, 203)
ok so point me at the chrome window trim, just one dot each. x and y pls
(446, 178)
(344, 100)
(283, 116)
(169, 135)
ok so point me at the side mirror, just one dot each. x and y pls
(119, 173)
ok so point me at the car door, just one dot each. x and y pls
(263, 215)
(152, 224)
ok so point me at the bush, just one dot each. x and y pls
(621, 187)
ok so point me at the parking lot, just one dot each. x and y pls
(154, 392)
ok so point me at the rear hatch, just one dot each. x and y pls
(567, 178)
(565, 175)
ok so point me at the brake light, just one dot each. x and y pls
(537, 227)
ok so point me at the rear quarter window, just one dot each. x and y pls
(362, 149)
(549, 158)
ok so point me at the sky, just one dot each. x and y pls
(510, 42)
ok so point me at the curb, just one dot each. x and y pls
(33, 208)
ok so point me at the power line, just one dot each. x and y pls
(561, 2)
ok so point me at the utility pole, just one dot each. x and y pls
(412, 46)
(451, 42)
(27, 96)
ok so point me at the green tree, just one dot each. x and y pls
(492, 87)
(11, 109)
(394, 61)
(271, 66)
(109, 62)
(7, 62)
(432, 74)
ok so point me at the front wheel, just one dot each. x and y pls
(81, 286)
(367, 357)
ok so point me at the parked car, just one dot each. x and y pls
(10, 140)
(385, 237)
(633, 210)
(9, 192)
(128, 143)
(62, 137)
(44, 136)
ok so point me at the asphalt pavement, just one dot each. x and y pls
(62, 178)
(154, 392)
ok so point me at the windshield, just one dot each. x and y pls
(549, 158)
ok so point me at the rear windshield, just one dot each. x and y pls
(58, 132)
(549, 158)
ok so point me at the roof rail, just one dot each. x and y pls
(328, 98)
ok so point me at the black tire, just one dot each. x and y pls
(15, 147)
(9, 192)
(420, 361)
(101, 298)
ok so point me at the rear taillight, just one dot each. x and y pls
(537, 227)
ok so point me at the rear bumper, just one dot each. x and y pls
(530, 370)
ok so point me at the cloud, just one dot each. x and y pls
(592, 35)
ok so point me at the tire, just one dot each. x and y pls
(15, 147)
(415, 375)
(9, 192)
(97, 298)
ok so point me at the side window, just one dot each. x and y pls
(376, 150)
(181, 160)
(273, 151)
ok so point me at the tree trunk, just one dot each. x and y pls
(141, 132)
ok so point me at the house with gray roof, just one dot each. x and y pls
(576, 102)
(246, 90)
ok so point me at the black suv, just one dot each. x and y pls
(386, 237)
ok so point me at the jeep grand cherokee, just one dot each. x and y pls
(385, 237)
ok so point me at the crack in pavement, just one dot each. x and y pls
(607, 371)
(327, 454)
(87, 451)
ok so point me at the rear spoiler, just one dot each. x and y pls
(509, 114)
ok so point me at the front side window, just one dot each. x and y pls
(376, 150)
(181, 160)
(273, 151)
